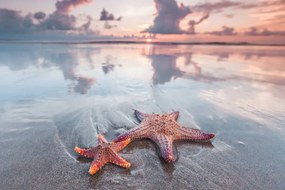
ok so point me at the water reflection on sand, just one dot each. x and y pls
(53, 97)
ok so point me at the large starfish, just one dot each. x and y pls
(163, 129)
(103, 153)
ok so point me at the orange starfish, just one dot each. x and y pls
(105, 152)
(163, 129)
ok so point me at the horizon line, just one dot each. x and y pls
(138, 42)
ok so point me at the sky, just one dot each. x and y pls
(255, 21)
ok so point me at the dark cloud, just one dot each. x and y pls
(13, 22)
(106, 16)
(253, 31)
(226, 31)
(60, 19)
(40, 16)
(169, 15)
(168, 18)
(193, 23)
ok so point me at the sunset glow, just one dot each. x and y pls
(148, 40)
(254, 21)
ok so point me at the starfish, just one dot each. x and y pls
(104, 153)
(163, 129)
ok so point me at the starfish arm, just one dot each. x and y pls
(118, 146)
(85, 152)
(135, 133)
(140, 116)
(165, 145)
(98, 162)
(101, 139)
(174, 115)
(192, 134)
(118, 160)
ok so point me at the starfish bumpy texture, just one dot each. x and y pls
(163, 129)
(105, 152)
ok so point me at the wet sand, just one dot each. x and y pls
(35, 158)
(47, 110)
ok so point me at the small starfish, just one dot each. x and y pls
(103, 153)
(163, 129)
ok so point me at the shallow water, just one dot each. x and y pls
(54, 97)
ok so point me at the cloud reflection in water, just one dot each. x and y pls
(116, 68)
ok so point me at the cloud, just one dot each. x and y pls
(65, 6)
(40, 16)
(207, 9)
(60, 19)
(219, 6)
(216, 6)
(252, 32)
(106, 16)
(262, 4)
(193, 23)
(264, 10)
(170, 14)
(268, 14)
(168, 18)
(226, 31)
(12, 21)
(265, 32)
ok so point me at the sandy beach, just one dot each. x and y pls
(55, 97)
